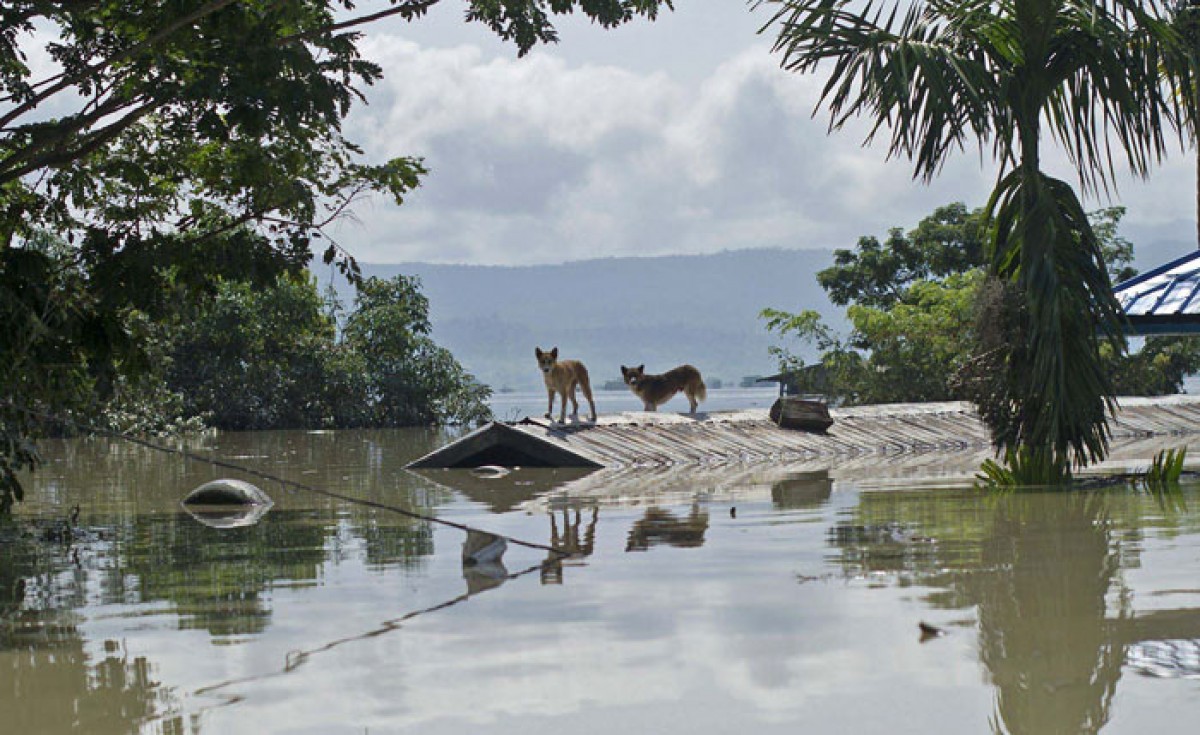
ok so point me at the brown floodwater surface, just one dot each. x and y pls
(748, 602)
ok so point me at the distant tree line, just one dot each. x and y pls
(263, 350)
(278, 354)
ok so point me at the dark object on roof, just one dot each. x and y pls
(808, 379)
(1165, 300)
(792, 412)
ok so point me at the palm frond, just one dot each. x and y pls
(1098, 74)
(1045, 245)
(922, 75)
(1104, 69)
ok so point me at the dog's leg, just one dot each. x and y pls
(550, 406)
(574, 403)
(585, 383)
(692, 402)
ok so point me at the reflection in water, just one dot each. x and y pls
(573, 544)
(136, 551)
(661, 526)
(802, 491)
(40, 585)
(484, 576)
(227, 516)
(129, 625)
(296, 659)
(1041, 569)
(1044, 631)
(108, 694)
(215, 578)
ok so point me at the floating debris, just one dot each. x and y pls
(227, 492)
(733, 511)
(929, 631)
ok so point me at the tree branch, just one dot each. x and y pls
(90, 144)
(66, 81)
(61, 132)
(408, 10)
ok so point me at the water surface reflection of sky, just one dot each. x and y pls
(798, 612)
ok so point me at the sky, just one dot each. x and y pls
(679, 136)
(672, 137)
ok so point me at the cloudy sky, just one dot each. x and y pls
(678, 136)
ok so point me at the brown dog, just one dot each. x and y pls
(562, 377)
(655, 390)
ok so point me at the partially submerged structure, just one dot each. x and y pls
(640, 439)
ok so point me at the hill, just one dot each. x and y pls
(659, 311)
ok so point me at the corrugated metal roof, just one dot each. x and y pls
(638, 439)
(1165, 300)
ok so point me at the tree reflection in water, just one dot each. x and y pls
(661, 526)
(1041, 570)
(215, 580)
(1045, 633)
(46, 653)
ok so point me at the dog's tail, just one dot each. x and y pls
(701, 390)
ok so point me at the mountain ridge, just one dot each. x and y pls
(656, 310)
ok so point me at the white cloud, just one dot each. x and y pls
(543, 159)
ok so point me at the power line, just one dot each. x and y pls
(273, 478)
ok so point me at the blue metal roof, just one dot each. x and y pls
(1165, 300)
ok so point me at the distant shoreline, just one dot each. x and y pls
(519, 404)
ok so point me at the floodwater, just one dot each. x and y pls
(771, 602)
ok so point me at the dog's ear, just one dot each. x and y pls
(624, 370)
(641, 368)
(537, 352)
(554, 352)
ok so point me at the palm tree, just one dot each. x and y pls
(1007, 74)
(1187, 24)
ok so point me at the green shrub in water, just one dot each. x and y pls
(1024, 467)
(1165, 470)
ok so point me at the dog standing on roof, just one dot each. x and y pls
(562, 377)
(655, 390)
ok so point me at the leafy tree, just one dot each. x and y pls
(912, 340)
(907, 353)
(45, 332)
(411, 380)
(271, 358)
(167, 133)
(1004, 74)
(879, 274)
(254, 358)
